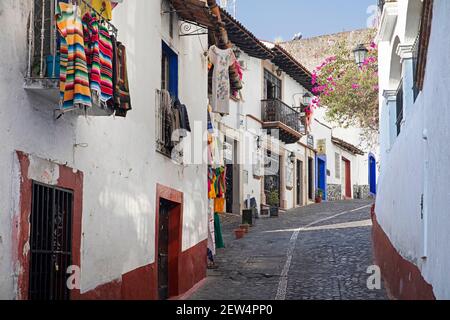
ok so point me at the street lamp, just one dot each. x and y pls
(360, 53)
(307, 99)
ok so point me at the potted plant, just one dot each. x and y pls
(319, 195)
(273, 200)
(245, 227)
(239, 233)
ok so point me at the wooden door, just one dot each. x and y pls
(348, 179)
(163, 250)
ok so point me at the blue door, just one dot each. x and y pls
(372, 175)
(322, 176)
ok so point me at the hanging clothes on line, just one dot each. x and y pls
(74, 74)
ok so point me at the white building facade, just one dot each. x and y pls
(246, 131)
(114, 181)
(411, 213)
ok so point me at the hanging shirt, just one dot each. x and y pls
(74, 74)
(222, 60)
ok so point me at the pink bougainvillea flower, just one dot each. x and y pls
(355, 86)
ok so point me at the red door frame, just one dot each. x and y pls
(175, 235)
(68, 179)
(348, 178)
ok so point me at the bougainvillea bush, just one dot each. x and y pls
(348, 91)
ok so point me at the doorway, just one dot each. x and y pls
(168, 244)
(299, 183)
(310, 179)
(232, 176)
(322, 176)
(272, 183)
(50, 242)
(372, 175)
(347, 178)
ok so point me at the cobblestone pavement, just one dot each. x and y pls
(317, 252)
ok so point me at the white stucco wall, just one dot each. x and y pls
(121, 167)
(414, 166)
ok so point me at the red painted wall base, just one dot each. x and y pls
(141, 283)
(402, 279)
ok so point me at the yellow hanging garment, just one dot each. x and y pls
(101, 6)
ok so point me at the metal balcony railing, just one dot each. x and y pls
(43, 56)
(275, 110)
(42, 63)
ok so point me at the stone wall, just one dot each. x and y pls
(361, 192)
(311, 52)
(334, 192)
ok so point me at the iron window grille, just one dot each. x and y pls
(164, 122)
(50, 242)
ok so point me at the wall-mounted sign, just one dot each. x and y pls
(321, 146)
(310, 141)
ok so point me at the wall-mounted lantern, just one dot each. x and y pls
(360, 53)
(307, 99)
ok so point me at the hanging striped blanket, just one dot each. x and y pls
(92, 48)
(106, 58)
(74, 75)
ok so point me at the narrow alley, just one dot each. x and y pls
(323, 251)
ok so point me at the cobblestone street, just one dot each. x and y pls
(316, 252)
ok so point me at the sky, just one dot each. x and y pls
(282, 19)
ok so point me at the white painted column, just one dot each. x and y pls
(406, 59)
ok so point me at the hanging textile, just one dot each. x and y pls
(74, 74)
(106, 59)
(211, 183)
(222, 60)
(92, 48)
(211, 231)
(218, 232)
(219, 205)
(103, 7)
(122, 99)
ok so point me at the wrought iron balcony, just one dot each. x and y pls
(276, 115)
(43, 56)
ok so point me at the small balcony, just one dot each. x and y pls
(279, 117)
(43, 58)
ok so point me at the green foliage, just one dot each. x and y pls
(273, 198)
(349, 92)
